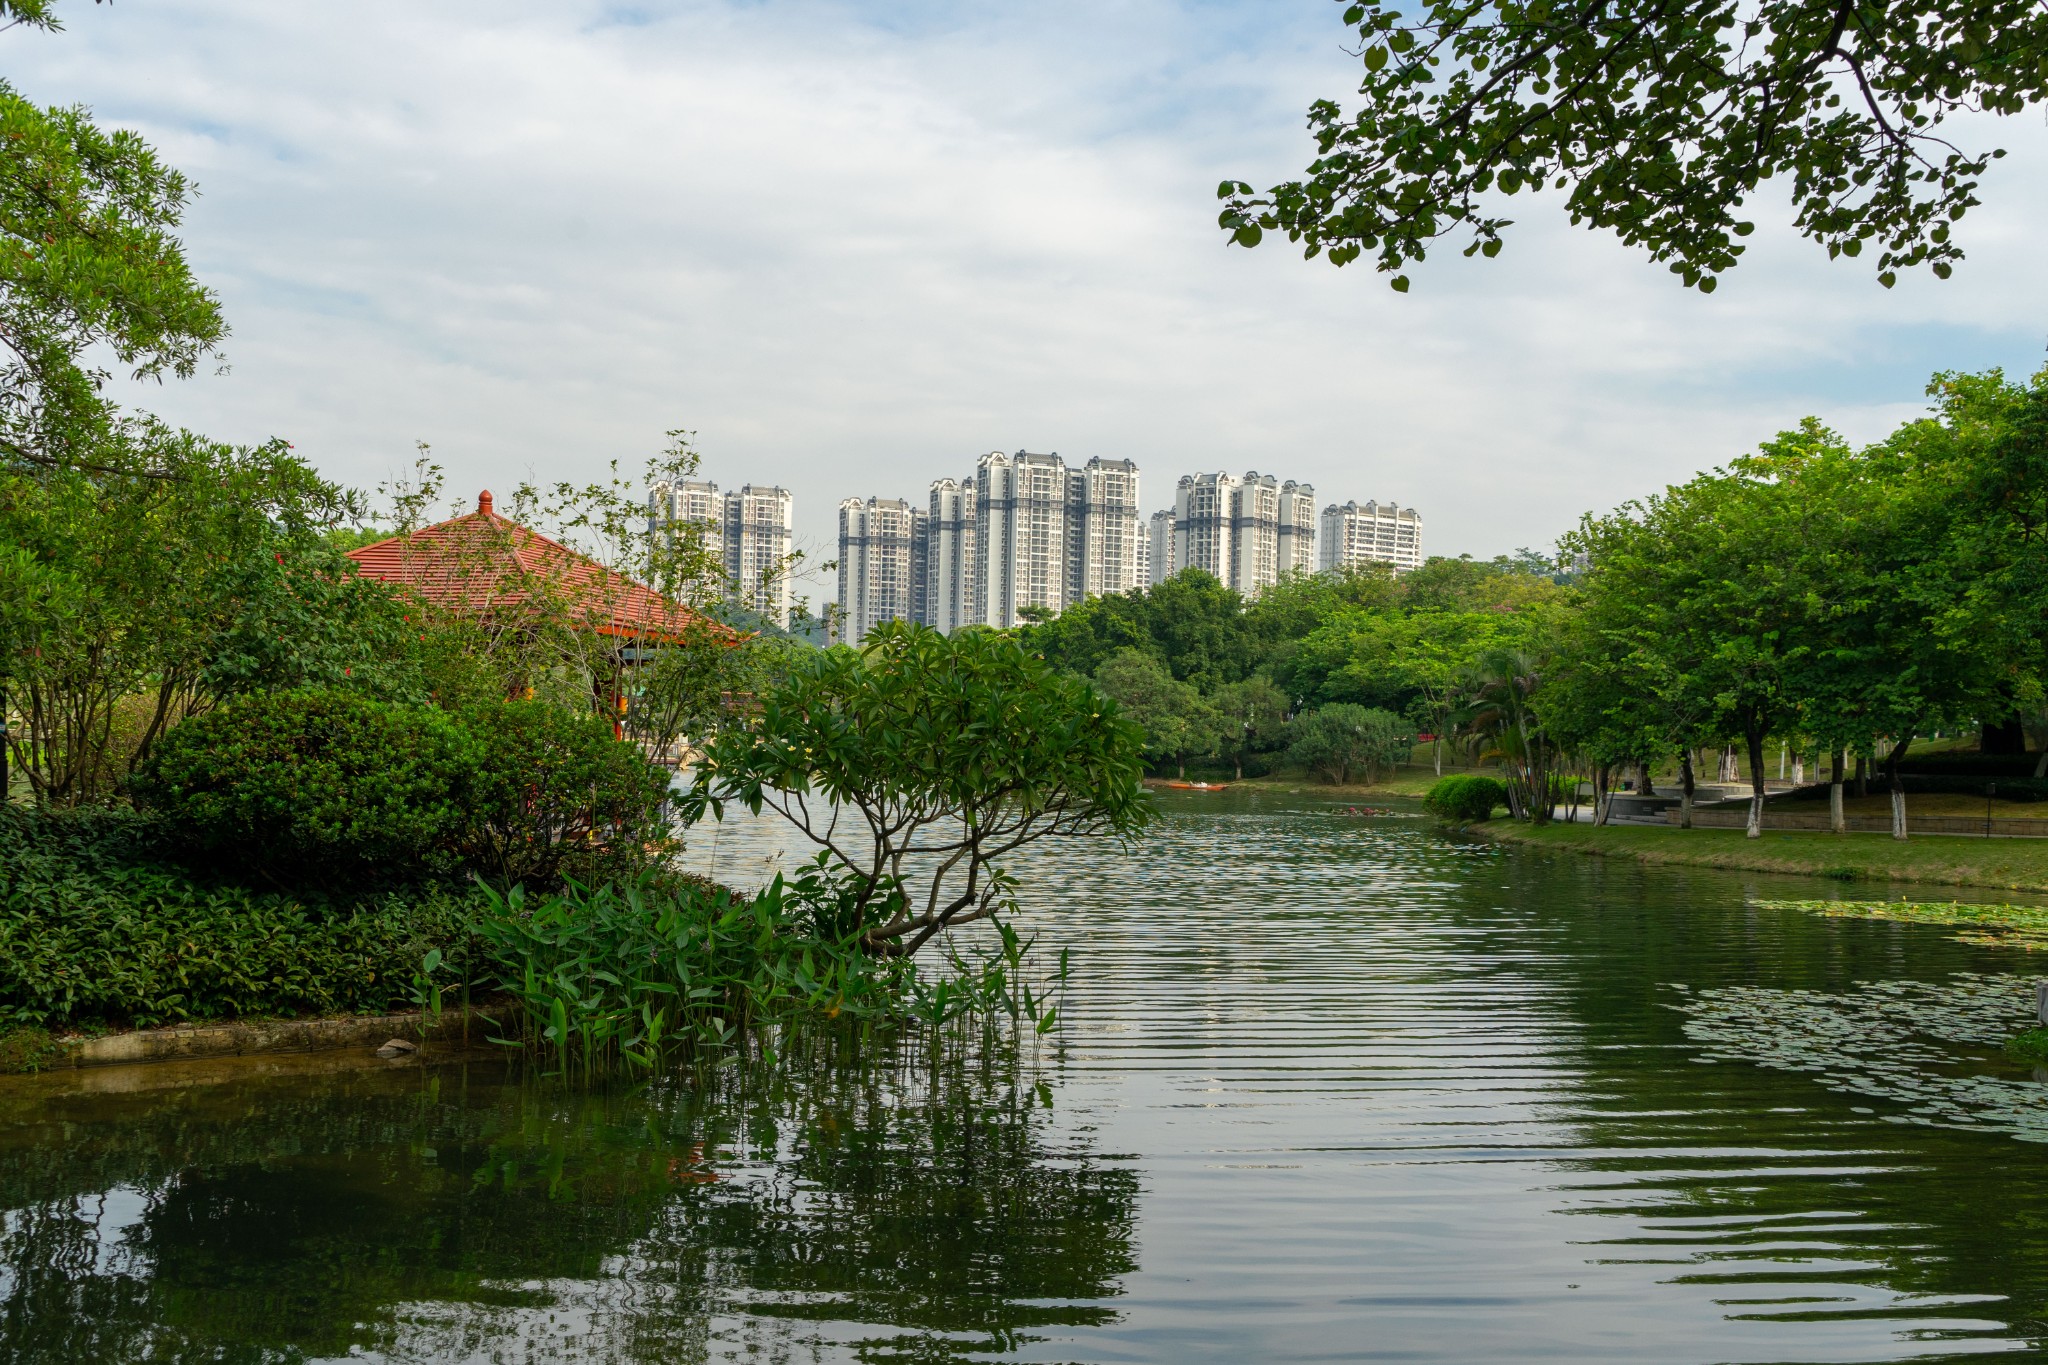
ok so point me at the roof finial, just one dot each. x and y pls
(483, 502)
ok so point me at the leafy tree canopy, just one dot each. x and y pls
(87, 259)
(929, 758)
(1658, 122)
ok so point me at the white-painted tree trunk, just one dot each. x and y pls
(1898, 814)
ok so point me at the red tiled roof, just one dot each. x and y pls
(485, 562)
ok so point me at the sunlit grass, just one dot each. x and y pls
(1948, 859)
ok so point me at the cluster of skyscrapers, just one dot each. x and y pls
(749, 532)
(1025, 532)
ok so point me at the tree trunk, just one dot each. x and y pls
(1685, 785)
(1756, 783)
(1891, 763)
(1837, 821)
(1601, 804)
(1439, 747)
(1181, 770)
(1644, 784)
(1863, 774)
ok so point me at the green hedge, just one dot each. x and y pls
(1465, 798)
(326, 788)
(316, 787)
(96, 930)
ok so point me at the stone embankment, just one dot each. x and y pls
(251, 1037)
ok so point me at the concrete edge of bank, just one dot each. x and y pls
(252, 1037)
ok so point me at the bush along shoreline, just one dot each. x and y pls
(318, 853)
(100, 933)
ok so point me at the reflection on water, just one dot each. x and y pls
(1332, 1087)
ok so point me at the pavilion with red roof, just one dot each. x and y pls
(484, 563)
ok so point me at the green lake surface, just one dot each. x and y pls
(1334, 1085)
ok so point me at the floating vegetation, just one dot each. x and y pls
(1997, 926)
(1938, 1047)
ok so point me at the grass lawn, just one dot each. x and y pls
(1954, 860)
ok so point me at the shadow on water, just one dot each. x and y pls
(853, 1194)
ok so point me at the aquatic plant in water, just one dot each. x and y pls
(1936, 1047)
(622, 971)
(2001, 926)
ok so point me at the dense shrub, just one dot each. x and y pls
(326, 788)
(1340, 741)
(94, 929)
(315, 787)
(552, 792)
(1465, 798)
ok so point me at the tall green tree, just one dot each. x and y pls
(130, 601)
(89, 260)
(1250, 715)
(1341, 741)
(1704, 584)
(1179, 723)
(1659, 123)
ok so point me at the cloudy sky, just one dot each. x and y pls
(853, 245)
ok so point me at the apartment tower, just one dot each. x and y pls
(1296, 541)
(1389, 534)
(878, 565)
(948, 595)
(759, 531)
(1202, 506)
(1159, 565)
(1102, 530)
(747, 536)
(1020, 541)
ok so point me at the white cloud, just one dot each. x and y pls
(855, 250)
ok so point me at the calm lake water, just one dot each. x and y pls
(1334, 1086)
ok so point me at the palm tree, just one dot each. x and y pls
(1500, 723)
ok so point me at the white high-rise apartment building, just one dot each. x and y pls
(1159, 548)
(877, 564)
(690, 503)
(1201, 523)
(1296, 541)
(948, 597)
(748, 534)
(1249, 532)
(1254, 533)
(759, 528)
(1352, 534)
(1102, 530)
(1020, 536)
(1023, 531)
